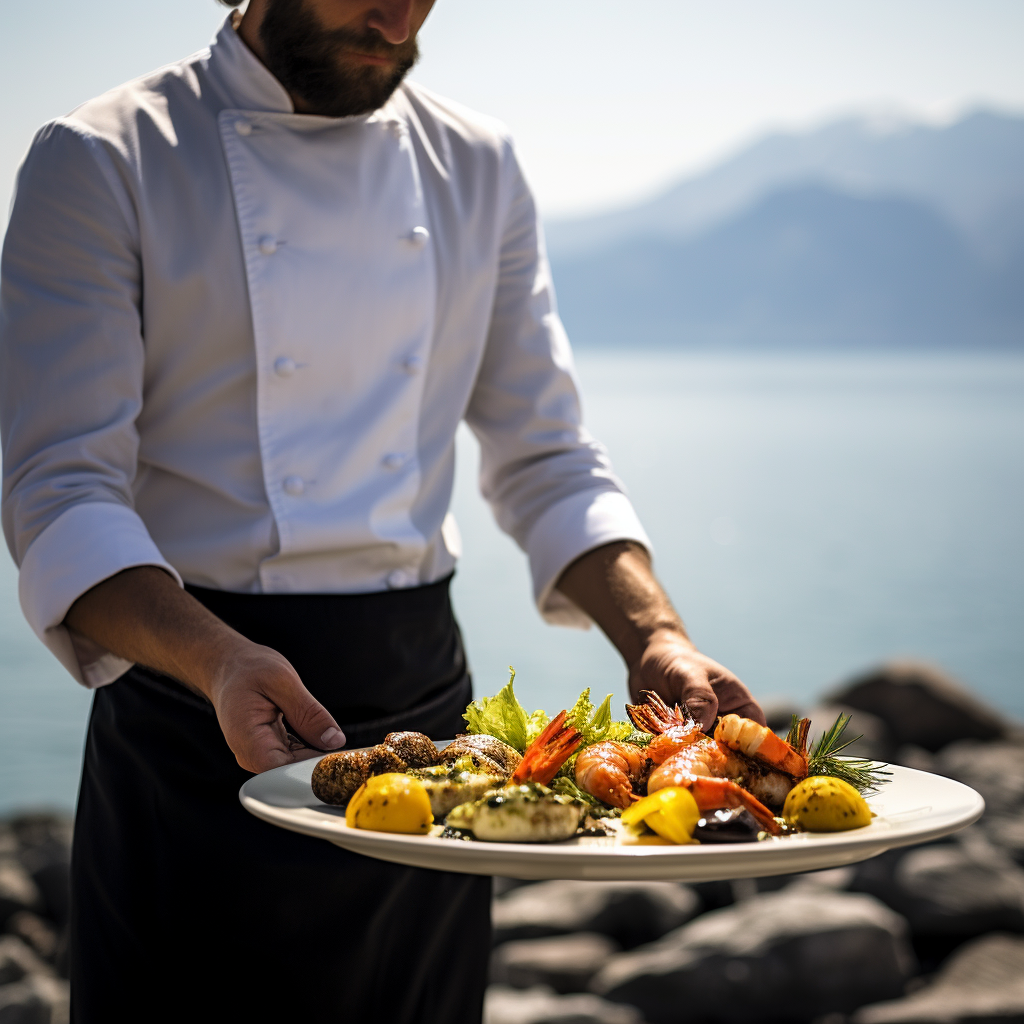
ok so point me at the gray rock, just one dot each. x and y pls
(36, 932)
(1006, 832)
(17, 890)
(921, 705)
(35, 1000)
(44, 849)
(788, 956)
(565, 963)
(981, 981)
(779, 714)
(8, 841)
(995, 770)
(18, 961)
(962, 888)
(542, 1006)
(631, 913)
(871, 735)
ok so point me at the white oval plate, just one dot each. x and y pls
(913, 807)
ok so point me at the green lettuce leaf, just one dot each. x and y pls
(535, 724)
(504, 717)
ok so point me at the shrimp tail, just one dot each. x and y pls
(797, 737)
(548, 752)
(655, 716)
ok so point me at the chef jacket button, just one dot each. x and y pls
(284, 367)
(393, 460)
(412, 365)
(399, 578)
(294, 486)
(419, 236)
(243, 128)
(268, 245)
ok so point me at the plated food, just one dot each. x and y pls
(657, 778)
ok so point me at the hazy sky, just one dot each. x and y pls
(608, 100)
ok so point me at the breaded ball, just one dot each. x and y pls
(337, 776)
(415, 749)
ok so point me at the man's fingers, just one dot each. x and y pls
(735, 699)
(700, 701)
(308, 718)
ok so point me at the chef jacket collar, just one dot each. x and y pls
(251, 87)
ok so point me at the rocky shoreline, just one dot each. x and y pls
(932, 933)
(35, 859)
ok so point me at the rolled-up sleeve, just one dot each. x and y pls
(550, 484)
(71, 384)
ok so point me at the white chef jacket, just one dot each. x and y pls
(237, 342)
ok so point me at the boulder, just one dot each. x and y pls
(788, 956)
(565, 963)
(36, 932)
(542, 1006)
(961, 888)
(1006, 832)
(631, 913)
(995, 770)
(35, 1000)
(44, 850)
(982, 981)
(778, 713)
(921, 705)
(18, 961)
(870, 734)
(17, 890)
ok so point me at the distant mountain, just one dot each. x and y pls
(846, 236)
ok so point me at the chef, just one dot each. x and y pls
(246, 301)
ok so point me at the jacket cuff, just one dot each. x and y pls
(570, 529)
(83, 546)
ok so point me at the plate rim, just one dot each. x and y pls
(472, 858)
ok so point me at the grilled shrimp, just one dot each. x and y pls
(711, 770)
(548, 752)
(760, 743)
(711, 793)
(609, 770)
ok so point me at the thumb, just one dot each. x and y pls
(307, 717)
(700, 700)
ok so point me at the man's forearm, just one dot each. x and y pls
(142, 615)
(615, 585)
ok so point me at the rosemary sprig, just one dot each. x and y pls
(823, 759)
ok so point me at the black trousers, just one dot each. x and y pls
(187, 908)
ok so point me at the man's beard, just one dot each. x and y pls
(304, 57)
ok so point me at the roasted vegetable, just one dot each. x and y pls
(727, 825)
(824, 804)
(391, 803)
(671, 812)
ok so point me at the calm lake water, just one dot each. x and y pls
(811, 516)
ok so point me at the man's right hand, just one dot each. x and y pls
(142, 615)
(252, 692)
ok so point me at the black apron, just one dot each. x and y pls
(187, 908)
